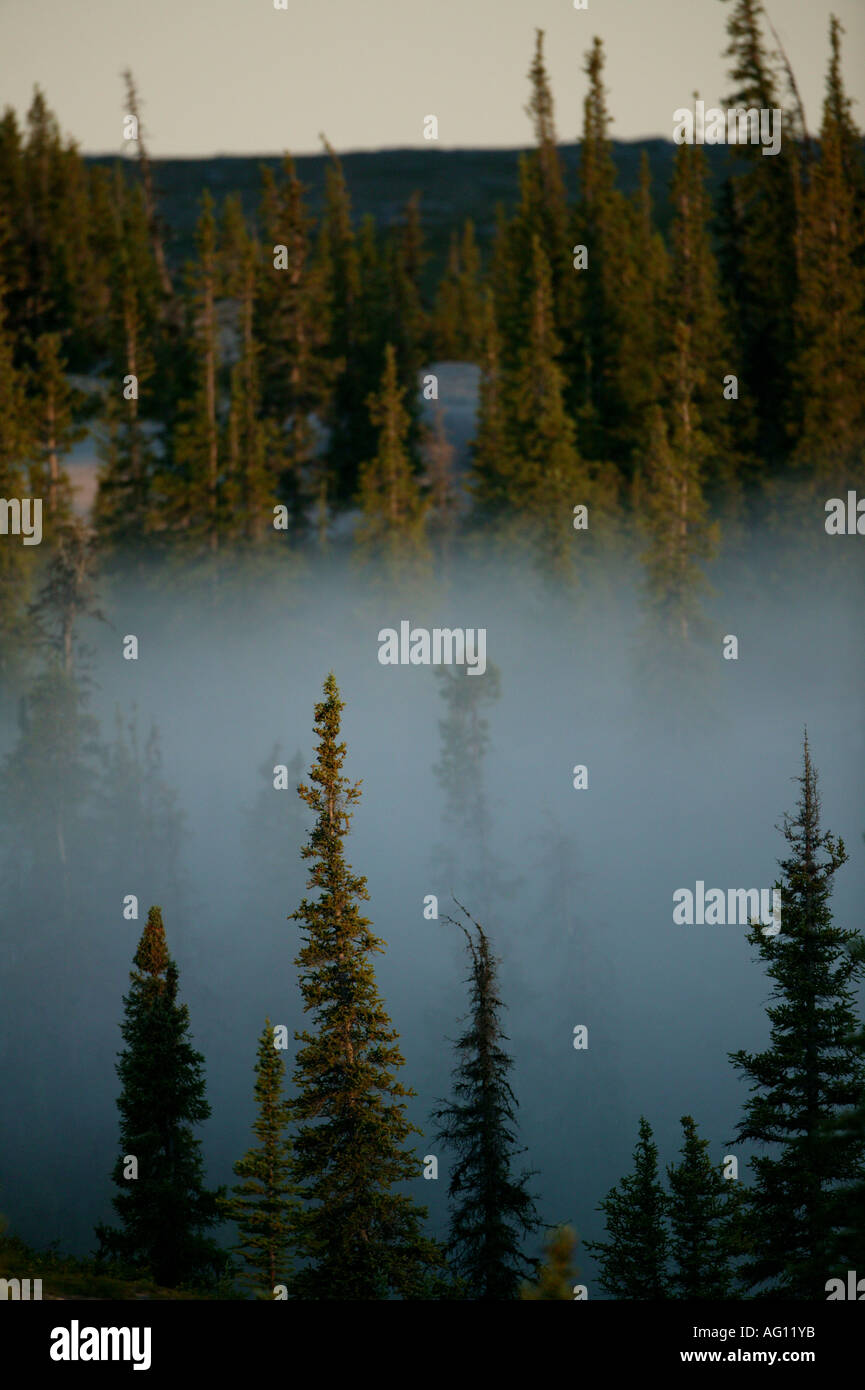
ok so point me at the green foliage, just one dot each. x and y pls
(760, 228)
(633, 1259)
(813, 1068)
(702, 1208)
(16, 561)
(393, 509)
(356, 1236)
(458, 314)
(190, 488)
(263, 1205)
(829, 436)
(674, 517)
(165, 1211)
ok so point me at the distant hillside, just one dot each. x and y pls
(454, 185)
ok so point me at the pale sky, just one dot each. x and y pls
(239, 77)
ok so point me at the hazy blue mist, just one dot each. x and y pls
(689, 774)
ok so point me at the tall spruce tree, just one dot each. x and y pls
(251, 482)
(17, 439)
(813, 1068)
(673, 512)
(122, 511)
(760, 233)
(696, 347)
(166, 1209)
(492, 1210)
(358, 1238)
(191, 486)
(688, 449)
(338, 260)
(829, 434)
(154, 222)
(604, 225)
(544, 209)
(264, 1203)
(548, 478)
(492, 464)
(393, 508)
(458, 314)
(702, 1205)
(642, 293)
(633, 1259)
(292, 327)
(56, 430)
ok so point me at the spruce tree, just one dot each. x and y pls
(548, 478)
(250, 484)
(642, 292)
(544, 211)
(633, 1259)
(458, 313)
(17, 439)
(406, 319)
(829, 436)
(701, 1209)
(812, 1069)
(357, 1237)
(123, 511)
(604, 225)
(673, 512)
(191, 486)
(13, 268)
(557, 1275)
(696, 345)
(337, 259)
(56, 430)
(153, 221)
(393, 521)
(492, 464)
(263, 1205)
(442, 489)
(292, 328)
(492, 1210)
(166, 1209)
(760, 233)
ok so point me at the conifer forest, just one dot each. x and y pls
(431, 687)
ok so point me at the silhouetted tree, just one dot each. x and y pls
(492, 1210)
(166, 1209)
